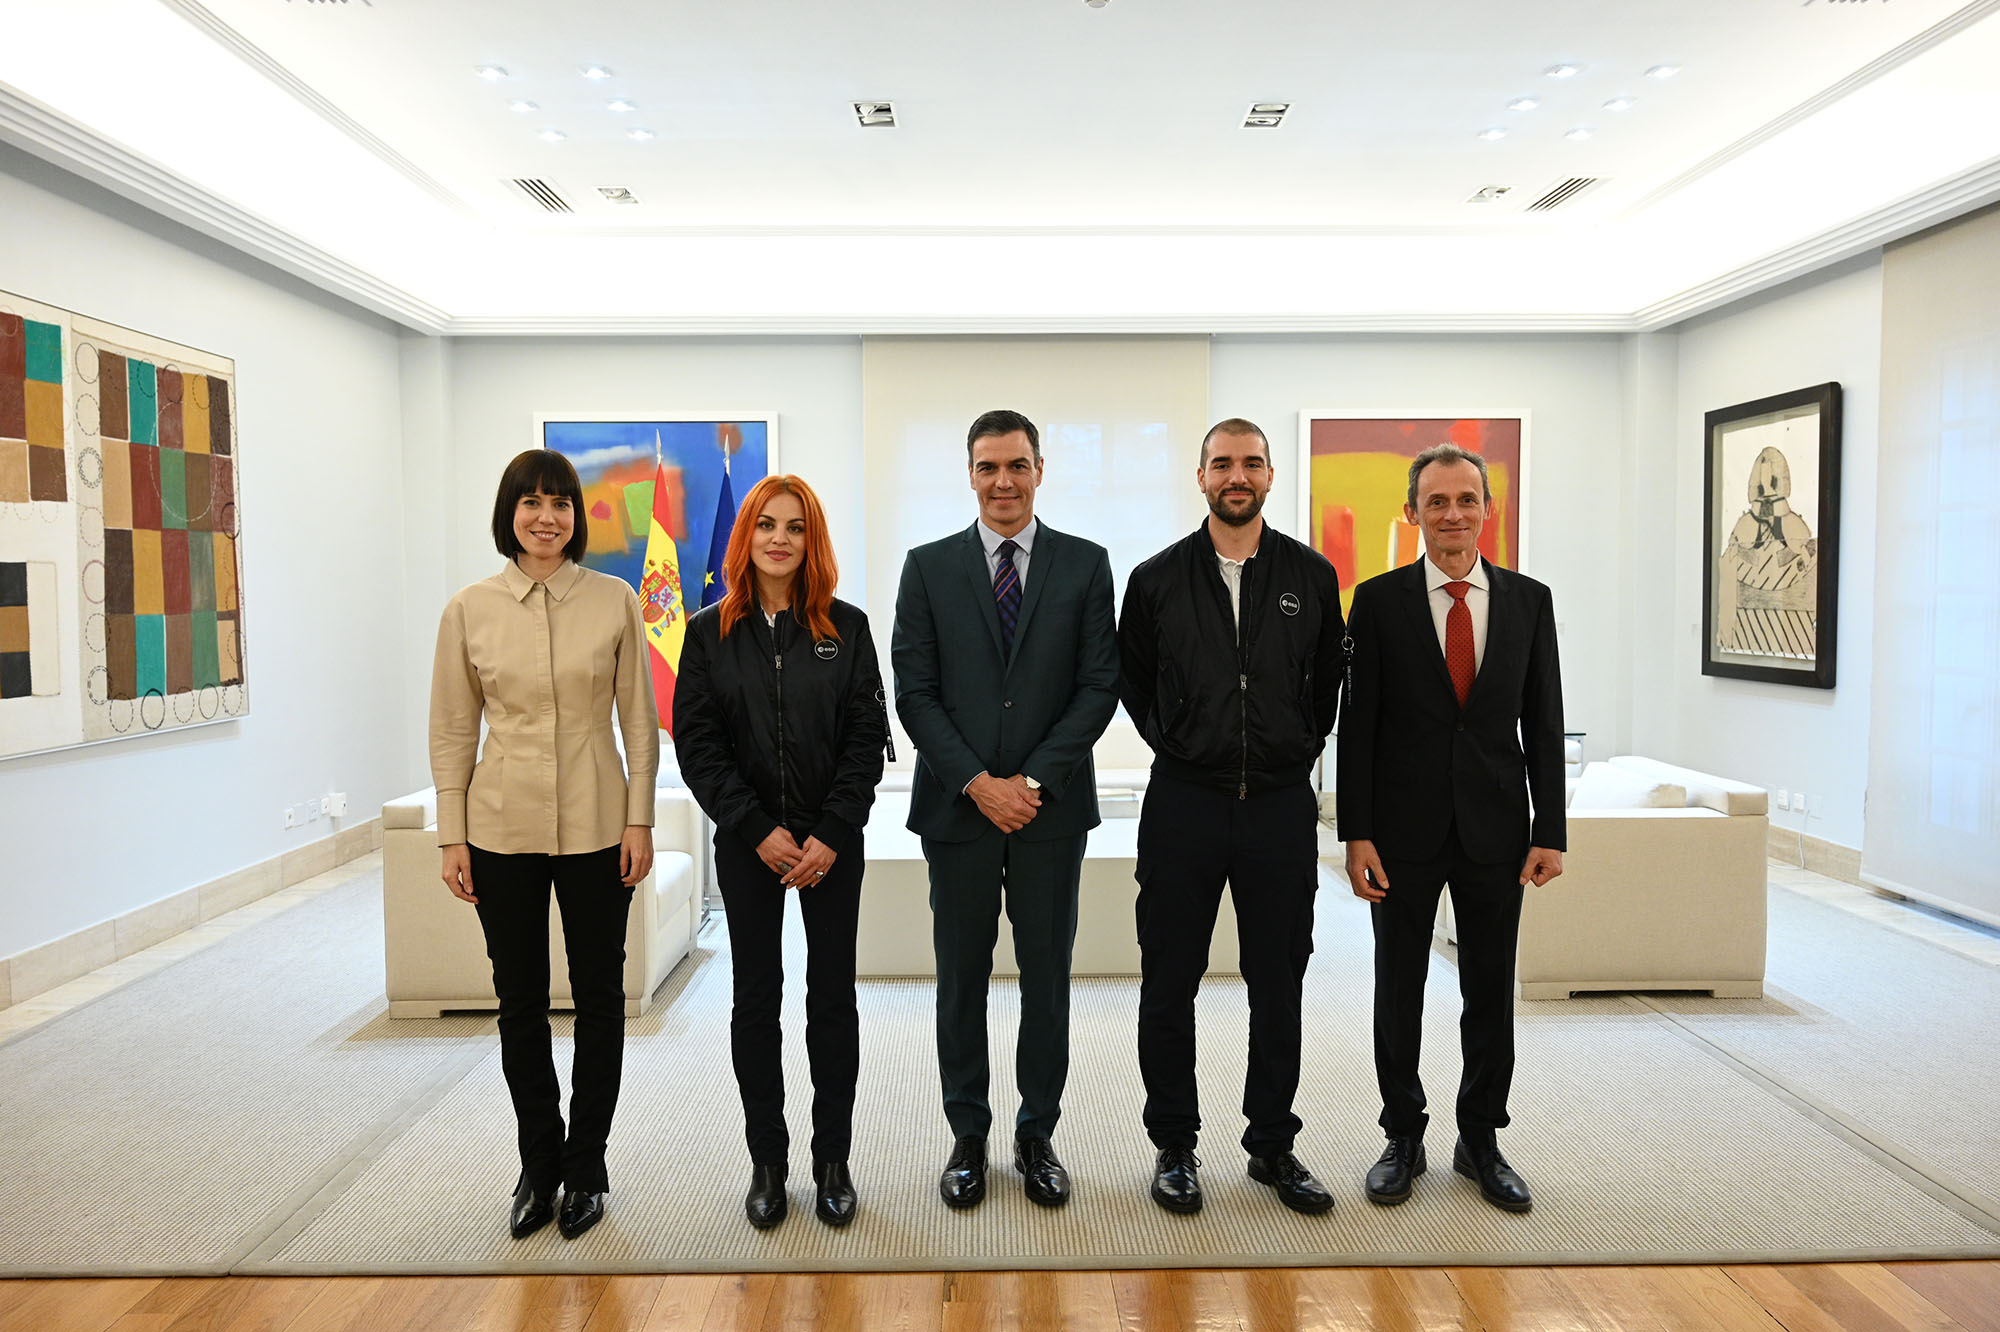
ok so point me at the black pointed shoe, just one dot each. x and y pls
(580, 1211)
(532, 1209)
(834, 1201)
(1176, 1186)
(1498, 1182)
(963, 1183)
(1043, 1178)
(1295, 1186)
(765, 1204)
(1390, 1178)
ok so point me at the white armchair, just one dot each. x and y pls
(436, 953)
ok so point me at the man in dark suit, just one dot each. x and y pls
(1450, 771)
(1006, 663)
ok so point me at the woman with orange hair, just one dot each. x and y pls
(779, 726)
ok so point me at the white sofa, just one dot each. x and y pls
(436, 954)
(1669, 898)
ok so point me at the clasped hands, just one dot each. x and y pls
(1009, 803)
(1371, 883)
(796, 866)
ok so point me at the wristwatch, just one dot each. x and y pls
(1033, 785)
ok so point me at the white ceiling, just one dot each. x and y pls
(1054, 166)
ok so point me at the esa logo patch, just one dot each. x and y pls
(826, 649)
(1289, 603)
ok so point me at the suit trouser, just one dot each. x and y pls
(1486, 903)
(1191, 840)
(513, 893)
(755, 904)
(1038, 880)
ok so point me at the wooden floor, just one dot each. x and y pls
(1937, 1297)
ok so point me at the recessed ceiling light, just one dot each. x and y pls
(1493, 132)
(875, 115)
(1523, 104)
(1578, 135)
(595, 72)
(617, 194)
(491, 73)
(639, 135)
(1663, 71)
(620, 104)
(552, 136)
(1619, 104)
(522, 107)
(1561, 71)
(1265, 115)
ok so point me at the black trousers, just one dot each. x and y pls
(1192, 840)
(755, 904)
(513, 908)
(1486, 902)
(1038, 880)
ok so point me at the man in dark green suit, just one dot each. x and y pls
(1006, 663)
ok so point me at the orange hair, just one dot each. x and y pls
(812, 586)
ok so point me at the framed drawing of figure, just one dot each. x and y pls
(1771, 539)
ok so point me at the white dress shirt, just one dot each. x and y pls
(1475, 603)
(1025, 539)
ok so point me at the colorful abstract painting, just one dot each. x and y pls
(1358, 469)
(128, 531)
(614, 459)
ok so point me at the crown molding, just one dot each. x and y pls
(880, 325)
(1889, 61)
(55, 138)
(1947, 199)
(258, 59)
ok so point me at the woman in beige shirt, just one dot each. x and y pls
(541, 651)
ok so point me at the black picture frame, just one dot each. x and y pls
(1770, 568)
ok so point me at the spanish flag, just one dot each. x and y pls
(661, 604)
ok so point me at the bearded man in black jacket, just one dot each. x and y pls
(1230, 648)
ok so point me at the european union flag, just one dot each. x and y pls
(714, 586)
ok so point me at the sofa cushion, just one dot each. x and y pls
(419, 810)
(1712, 792)
(1603, 786)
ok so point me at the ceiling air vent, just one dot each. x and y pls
(1562, 192)
(542, 193)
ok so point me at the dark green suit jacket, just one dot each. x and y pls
(1037, 711)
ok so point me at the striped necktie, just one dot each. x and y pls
(1007, 596)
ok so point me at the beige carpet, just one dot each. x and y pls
(249, 1110)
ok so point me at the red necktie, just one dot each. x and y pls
(1458, 657)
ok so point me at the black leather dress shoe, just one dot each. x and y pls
(834, 1202)
(1390, 1178)
(963, 1183)
(580, 1211)
(1497, 1180)
(1296, 1187)
(533, 1208)
(1044, 1179)
(765, 1203)
(1176, 1187)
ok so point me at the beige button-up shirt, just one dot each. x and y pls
(543, 663)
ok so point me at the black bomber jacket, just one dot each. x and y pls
(772, 727)
(1242, 710)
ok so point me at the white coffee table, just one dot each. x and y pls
(895, 938)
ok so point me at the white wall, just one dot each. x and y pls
(1824, 328)
(91, 833)
(1570, 386)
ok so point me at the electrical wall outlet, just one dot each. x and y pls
(1784, 798)
(339, 802)
(326, 804)
(1799, 801)
(291, 817)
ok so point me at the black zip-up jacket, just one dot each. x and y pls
(1241, 711)
(773, 728)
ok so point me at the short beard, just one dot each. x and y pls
(1234, 519)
